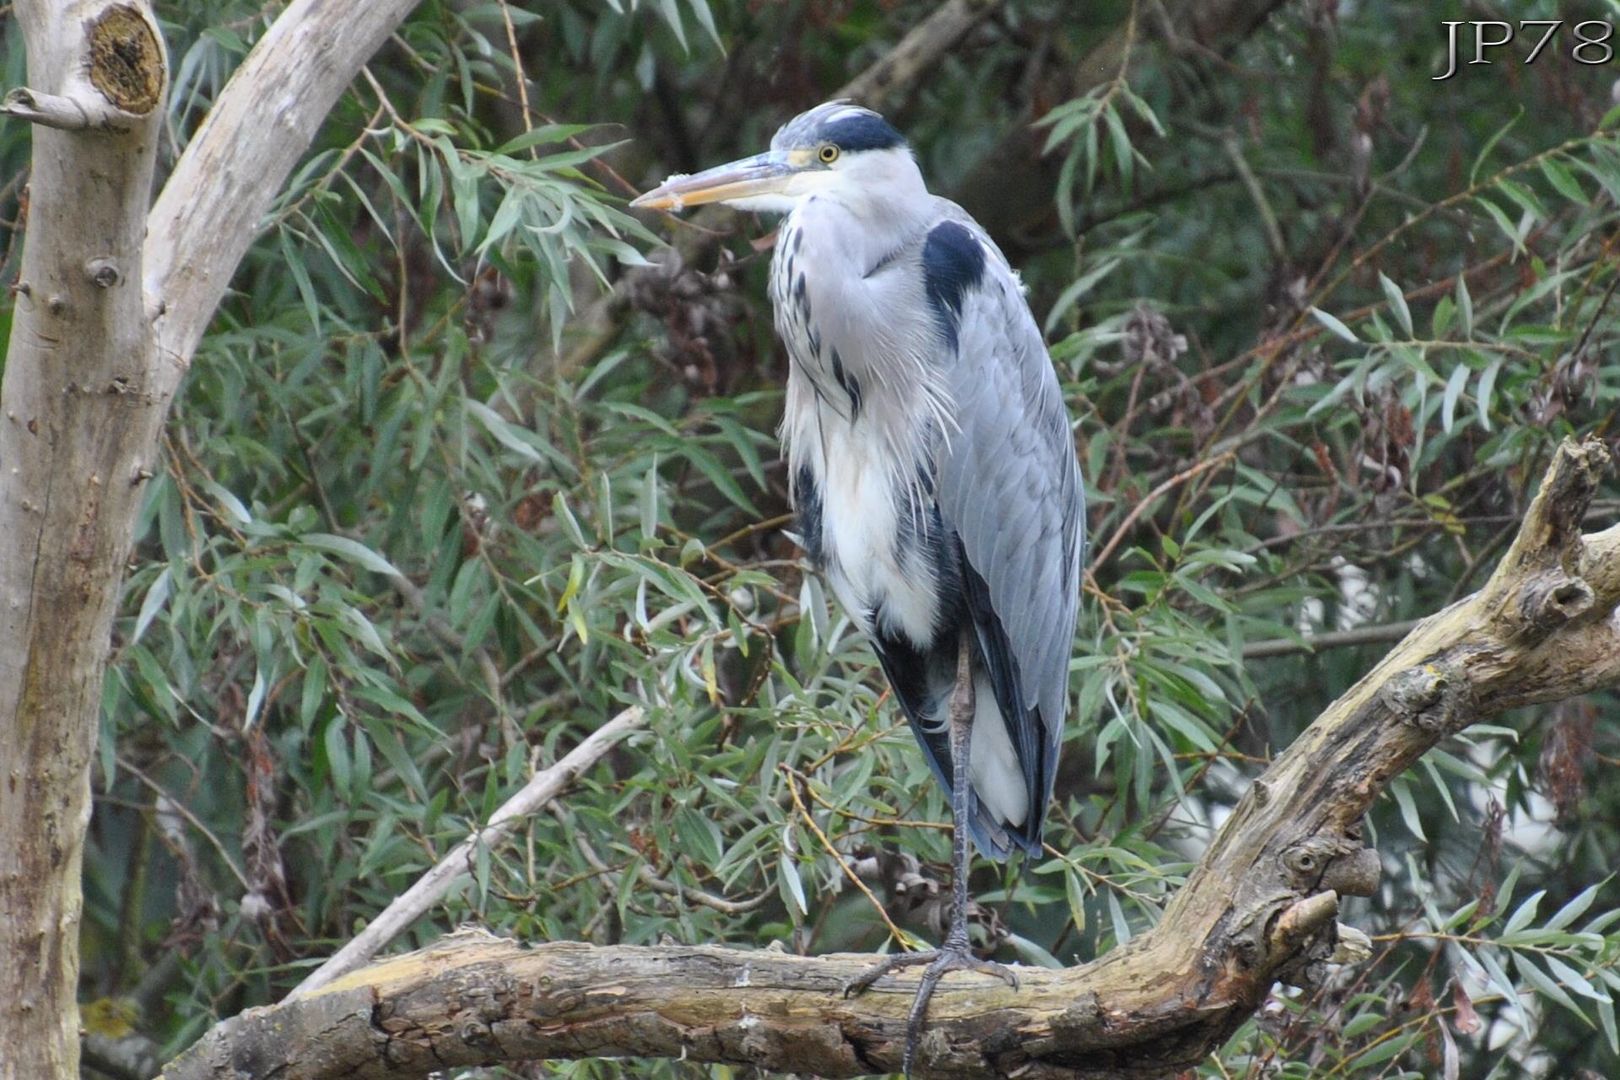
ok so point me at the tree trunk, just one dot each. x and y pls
(109, 309)
(80, 427)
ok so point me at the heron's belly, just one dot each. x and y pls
(881, 557)
(877, 548)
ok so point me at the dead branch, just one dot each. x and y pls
(1259, 907)
(916, 54)
(456, 867)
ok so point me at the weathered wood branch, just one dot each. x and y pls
(1260, 906)
(903, 66)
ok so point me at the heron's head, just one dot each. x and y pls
(837, 150)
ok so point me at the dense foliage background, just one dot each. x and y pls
(450, 484)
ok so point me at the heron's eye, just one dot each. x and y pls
(828, 153)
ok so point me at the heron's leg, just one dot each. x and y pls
(956, 951)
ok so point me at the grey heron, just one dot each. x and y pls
(932, 470)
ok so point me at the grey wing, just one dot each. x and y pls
(1009, 484)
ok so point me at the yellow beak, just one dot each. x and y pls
(763, 174)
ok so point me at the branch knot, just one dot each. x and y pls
(126, 60)
(103, 272)
(1431, 697)
(1550, 600)
(1304, 933)
(1332, 864)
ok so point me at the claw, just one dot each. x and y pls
(941, 962)
(888, 965)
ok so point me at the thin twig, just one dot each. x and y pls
(518, 74)
(663, 886)
(793, 779)
(1597, 316)
(191, 819)
(1333, 639)
(1257, 195)
(1142, 506)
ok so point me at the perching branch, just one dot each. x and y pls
(1260, 906)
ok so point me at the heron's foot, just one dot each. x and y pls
(940, 962)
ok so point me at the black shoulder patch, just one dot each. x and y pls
(863, 131)
(953, 262)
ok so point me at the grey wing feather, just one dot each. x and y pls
(1010, 485)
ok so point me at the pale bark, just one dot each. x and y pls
(109, 310)
(80, 418)
(903, 66)
(1259, 907)
(213, 204)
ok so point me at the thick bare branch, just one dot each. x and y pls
(265, 118)
(1259, 907)
(472, 998)
(902, 66)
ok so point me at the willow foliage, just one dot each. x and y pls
(436, 503)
